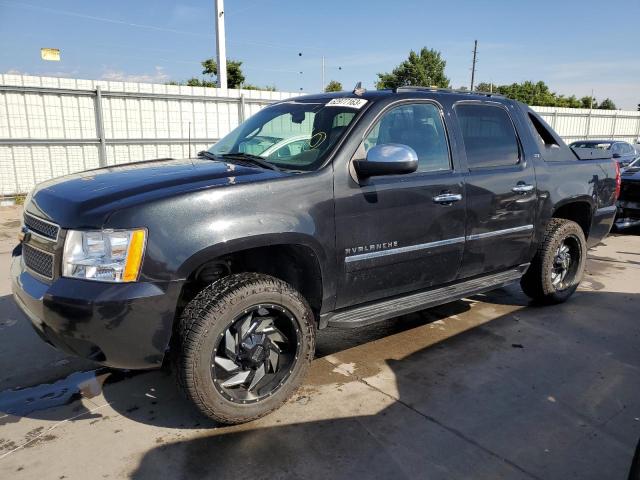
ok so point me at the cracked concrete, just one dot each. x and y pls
(485, 388)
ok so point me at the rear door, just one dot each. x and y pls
(500, 189)
(397, 233)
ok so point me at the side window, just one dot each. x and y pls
(616, 148)
(489, 136)
(418, 126)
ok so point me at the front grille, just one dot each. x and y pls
(630, 191)
(41, 227)
(37, 260)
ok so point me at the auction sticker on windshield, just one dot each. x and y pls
(347, 102)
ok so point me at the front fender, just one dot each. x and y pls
(254, 241)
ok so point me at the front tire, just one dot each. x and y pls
(245, 344)
(558, 266)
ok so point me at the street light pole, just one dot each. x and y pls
(323, 84)
(221, 48)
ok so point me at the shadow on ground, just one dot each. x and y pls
(151, 396)
(541, 393)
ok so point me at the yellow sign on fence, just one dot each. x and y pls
(51, 54)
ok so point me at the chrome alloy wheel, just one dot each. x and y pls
(565, 264)
(256, 353)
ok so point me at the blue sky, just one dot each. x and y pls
(574, 46)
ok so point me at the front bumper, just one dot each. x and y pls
(121, 325)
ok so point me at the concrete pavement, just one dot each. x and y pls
(488, 387)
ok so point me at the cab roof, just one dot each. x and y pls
(426, 92)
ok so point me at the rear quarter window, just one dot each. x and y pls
(489, 136)
(551, 148)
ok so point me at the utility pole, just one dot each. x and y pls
(473, 66)
(323, 84)
(221, 47)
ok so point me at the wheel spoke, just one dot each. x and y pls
(238, 379)
(273, 359)
(274, 334)
(257, 376)
(264, 322)
(245, 325)
(226, 364)
(231, 345)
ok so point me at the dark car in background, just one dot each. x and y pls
(628, 214)
(623, 152)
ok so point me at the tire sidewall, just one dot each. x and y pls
(568, 229)
(218, 317)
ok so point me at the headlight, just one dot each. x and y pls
(106, 256)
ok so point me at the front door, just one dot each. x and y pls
(397, 233)
(500, 187)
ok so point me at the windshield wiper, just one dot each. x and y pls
(206, 154)
(249, 158)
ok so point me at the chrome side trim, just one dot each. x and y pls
(495, 233)
(439, 243)
(395, 251)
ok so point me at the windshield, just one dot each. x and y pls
(600, 145)
(295, 135)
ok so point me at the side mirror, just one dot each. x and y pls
(387, 159)
(616, 155)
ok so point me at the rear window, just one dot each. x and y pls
(489, 136)
(600, 145)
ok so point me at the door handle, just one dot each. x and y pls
(447, 198)
(522, 187)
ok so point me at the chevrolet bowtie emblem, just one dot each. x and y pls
(24, 235)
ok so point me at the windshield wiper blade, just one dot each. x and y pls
(206, 154)
(247, 157)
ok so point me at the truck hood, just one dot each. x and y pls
(85, 199)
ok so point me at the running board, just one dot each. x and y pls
(360, 316)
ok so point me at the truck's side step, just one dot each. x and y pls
(378, 311)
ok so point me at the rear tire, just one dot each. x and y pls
(257, 322)
(558, 266)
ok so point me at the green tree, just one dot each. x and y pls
(568, 102)
(196, 82)
(333, 86)
(267, 88)
(420, 69)
(235, 78)
(530, 93)
(588, 102)
(607, 104)
(485, 87)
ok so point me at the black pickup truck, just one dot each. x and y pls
(337, 210)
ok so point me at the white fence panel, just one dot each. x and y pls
(577, 123)
(55, 126)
